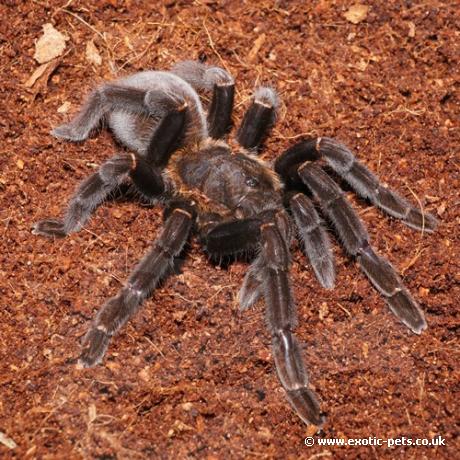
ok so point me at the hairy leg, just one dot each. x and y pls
(92, 192)
(221, 83)
(143, 280)
(355, 239)
(258, 119)
(281, 318)
(315, 239)
(116, 97)
(363, 181)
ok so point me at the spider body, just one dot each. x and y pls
(234, 201)
(232, 184)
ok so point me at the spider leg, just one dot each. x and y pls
(315, 239)
(258, 119)
(355, 239)
(90, 194)
(239, 236)
(268, 276)
(281, 320)
(363, 181)
(252, 289)
(168, 136)
(110, 97)
(232, 237)
(145, 277)
(220, 111)
(203, 77)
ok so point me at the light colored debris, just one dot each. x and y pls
(323, 310)
(36, 75)
(365, 348)
(145, 374)
(441, 209)
(39, 79)
(188, 406)
(20, 164)
(7, 441)
(260, 40)
(50, 45)
(411, 32)
(92, 54)
(64, 108)
(356, 13)
(92, 413)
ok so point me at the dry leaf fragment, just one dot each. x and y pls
(356, 13)
(50, 45)
(260, 40)
(36, 75)
(39, 79)
(92, 54)
(20, 164)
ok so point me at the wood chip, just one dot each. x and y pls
(365, 348)
(50, 45)
(20, 164)
(356, 13)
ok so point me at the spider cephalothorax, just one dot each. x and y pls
(232, 200)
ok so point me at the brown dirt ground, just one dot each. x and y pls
(191, 376)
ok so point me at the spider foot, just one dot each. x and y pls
(50, 228)
(406, 309)
(304, 401)
(95, 345)
(386, 280)
(69, 132)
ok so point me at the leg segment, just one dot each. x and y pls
(355, 239)
(90, 194)
(232, 237)
(252, 288)
(203, 77)
(111, 97)
(281, 320)
(168, 136)
(240, 235)
(258, 119)
(315, 239)
(220, 111)
(145, 277)
(366, 184)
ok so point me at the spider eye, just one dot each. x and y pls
(252, 182)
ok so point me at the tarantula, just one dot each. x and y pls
(232, 200)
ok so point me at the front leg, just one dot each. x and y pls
(258, 119)
(115, 97)
(90, 194)
(144, 279)
(94, 190)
